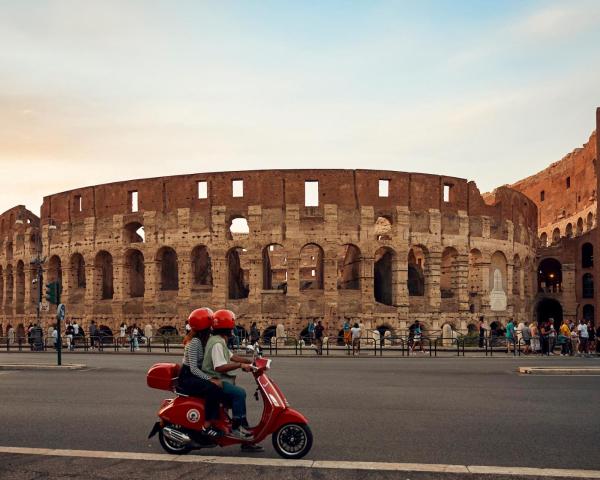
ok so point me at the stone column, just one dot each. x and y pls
(31, 289)
(151, 281)
(220, 277)
(184, 268)
(254, 259)
(367, 284)
(462, 273)
(119, 272)
(432, 279)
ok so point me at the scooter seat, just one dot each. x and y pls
(180, 392)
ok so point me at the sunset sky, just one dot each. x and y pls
(94, 92)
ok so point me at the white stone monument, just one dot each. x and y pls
(497, 295)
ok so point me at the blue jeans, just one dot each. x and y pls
(237, 396)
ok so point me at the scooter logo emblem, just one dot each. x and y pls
(193, 415)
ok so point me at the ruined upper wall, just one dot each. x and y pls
(17, 219)
(348, 189)
(562, 200)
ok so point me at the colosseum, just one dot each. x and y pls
(383, 248)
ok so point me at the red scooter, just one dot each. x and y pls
(181, 418)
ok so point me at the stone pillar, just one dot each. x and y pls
(31, 290)
(462, 273)
(151, 281)
(293, 283)
(119, 272)
(184, 268)
(485, 285)
(254, 259)
(220, 277)
(367, 284)
(432, 278)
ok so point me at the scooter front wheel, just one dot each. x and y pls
(293, 440)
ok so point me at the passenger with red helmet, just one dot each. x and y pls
(192, 380)
(220, 362)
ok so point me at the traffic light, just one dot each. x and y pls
(53, 291)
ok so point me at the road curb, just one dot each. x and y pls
(559, 370)
(40, 366)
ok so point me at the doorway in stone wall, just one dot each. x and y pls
(549, 308)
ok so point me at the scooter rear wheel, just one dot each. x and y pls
(172, 447)
(293, 440)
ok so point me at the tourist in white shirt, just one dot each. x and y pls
(355, 332)
(583, 334)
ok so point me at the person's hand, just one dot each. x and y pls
(217, 382)
(246, 367)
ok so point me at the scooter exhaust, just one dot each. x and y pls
(176, 436)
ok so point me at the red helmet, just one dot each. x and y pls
(201, 318)
(223, 320)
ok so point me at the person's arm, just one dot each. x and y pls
(222, 366)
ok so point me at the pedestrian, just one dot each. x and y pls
(564, 339)
(535, 338)
(583, 334)
(93, 334)
(544, 342)
(417, 339)
(55, 336)
(511, 336)
(29, 338)
(311, 332)
(10, 333)
(69, 334)
(481, 332)
(122, 333)
(347, 334)
(148, 332)
(551, 336)
(355, 332)
(134, 338)
(526, 335)
(75, 329)
(592, 338)
(598, 339)
(254, 333)
(319, 337)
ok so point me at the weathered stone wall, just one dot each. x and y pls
(111, 274)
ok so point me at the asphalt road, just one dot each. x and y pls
(469, 411)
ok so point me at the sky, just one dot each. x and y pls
(99, 91)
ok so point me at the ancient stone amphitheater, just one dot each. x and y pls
(381, 247)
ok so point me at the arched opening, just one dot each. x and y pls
(416, 272)
(238, 228)
(555, 236)
(134, 233)
(383, 228)
(383, 274)
(9, 251)
(587, 286)
(10, 283)
(449, 273)
(349, 262)
(135, 276)
(550, 276)
(590, 221)
(588, 313)
(569, 231)
(548, 308)
(103, 269)
(54, 270)
(587, 255)
(166, 259)
(579, 226)
(311, 267)
(201, 268)
(20, 288)
(275, 274)
(543, 240)
(77, 282)
(238, 281)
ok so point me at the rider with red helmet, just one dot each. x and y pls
(220, 362)
(192, 380)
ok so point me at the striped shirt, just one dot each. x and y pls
(193, 355)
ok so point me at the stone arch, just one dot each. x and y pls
(449, 273)
(238, 281)
(569, 231)
(134, 233)
(103, 275)
(550, 276)
(135, 277)
(349, 262)
(587, 286)
(77, 280)
(384, 276)
(579, 226)
(588, 312)
(590, 221)
(311, 267)
(555, 236)
(416, 271)
(587, 255)
(544, 240)
(55, 269)
(201, 267)
(549, 308)
(275, 273)
(383, 228)
(20, 287)
(168, 269)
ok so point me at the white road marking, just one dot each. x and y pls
(322, 464)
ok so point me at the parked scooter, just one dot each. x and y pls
(182, 417)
